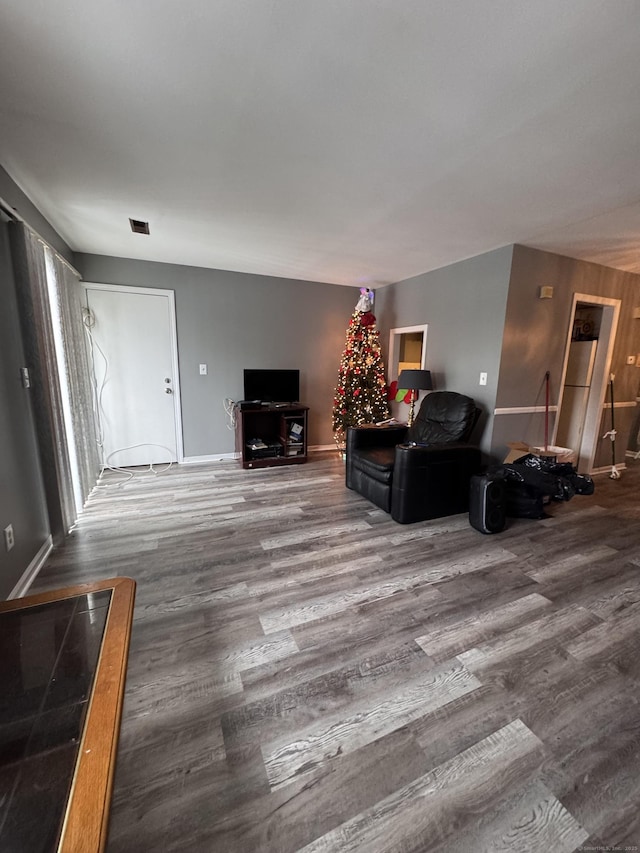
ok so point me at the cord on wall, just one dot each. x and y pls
(230, 407)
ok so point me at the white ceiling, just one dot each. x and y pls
(350, 141)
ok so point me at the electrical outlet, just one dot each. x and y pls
(483, 379)
(9, 540)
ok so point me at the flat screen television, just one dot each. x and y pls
(272, 386)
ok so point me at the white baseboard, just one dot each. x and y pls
(31, 572)
(224, 457)
(606, 469)
(214, 457)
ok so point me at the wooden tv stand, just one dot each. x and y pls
(281, 428)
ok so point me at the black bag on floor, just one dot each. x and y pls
(531, 482)
(549, 485)
(521, 501)
(581, 484)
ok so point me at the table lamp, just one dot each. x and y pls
(414, 381)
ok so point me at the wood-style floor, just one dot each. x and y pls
(306, 674)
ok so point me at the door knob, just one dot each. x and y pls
(168, 391)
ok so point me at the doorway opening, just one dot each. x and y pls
(585, 374)
(407, 350)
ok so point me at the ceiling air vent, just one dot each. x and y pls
(138, 226)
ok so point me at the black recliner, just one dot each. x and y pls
(421, 472)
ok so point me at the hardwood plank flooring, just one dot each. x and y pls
(307, 675)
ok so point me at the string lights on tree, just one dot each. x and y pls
(361, 393)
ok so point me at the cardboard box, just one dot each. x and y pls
(560, 454)
(519, 448)
(516, 450)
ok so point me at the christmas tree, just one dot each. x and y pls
(361, 394)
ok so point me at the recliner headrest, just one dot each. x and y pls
(444, 417)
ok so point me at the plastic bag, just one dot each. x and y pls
(580, 484)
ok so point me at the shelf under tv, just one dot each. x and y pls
(272, 434)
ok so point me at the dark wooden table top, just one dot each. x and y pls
(62, 667)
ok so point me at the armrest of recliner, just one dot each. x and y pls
(412, 458)
(432, 481)
(370, 436)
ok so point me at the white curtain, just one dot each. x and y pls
(75, 373)
(50, 307)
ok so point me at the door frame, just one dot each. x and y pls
(394, 347)
(173, 335)
(600, 376)
(395, 336)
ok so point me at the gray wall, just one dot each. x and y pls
(230, 321)
(22, 501)
(535, 336)
(464, 305)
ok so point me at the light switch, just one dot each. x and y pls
(203, 370)
(631, 359)
(483, 379)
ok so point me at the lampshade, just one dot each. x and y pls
(415, 380)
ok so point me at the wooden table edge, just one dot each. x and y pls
(86, 819)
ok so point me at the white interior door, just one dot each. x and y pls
(134, 354)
